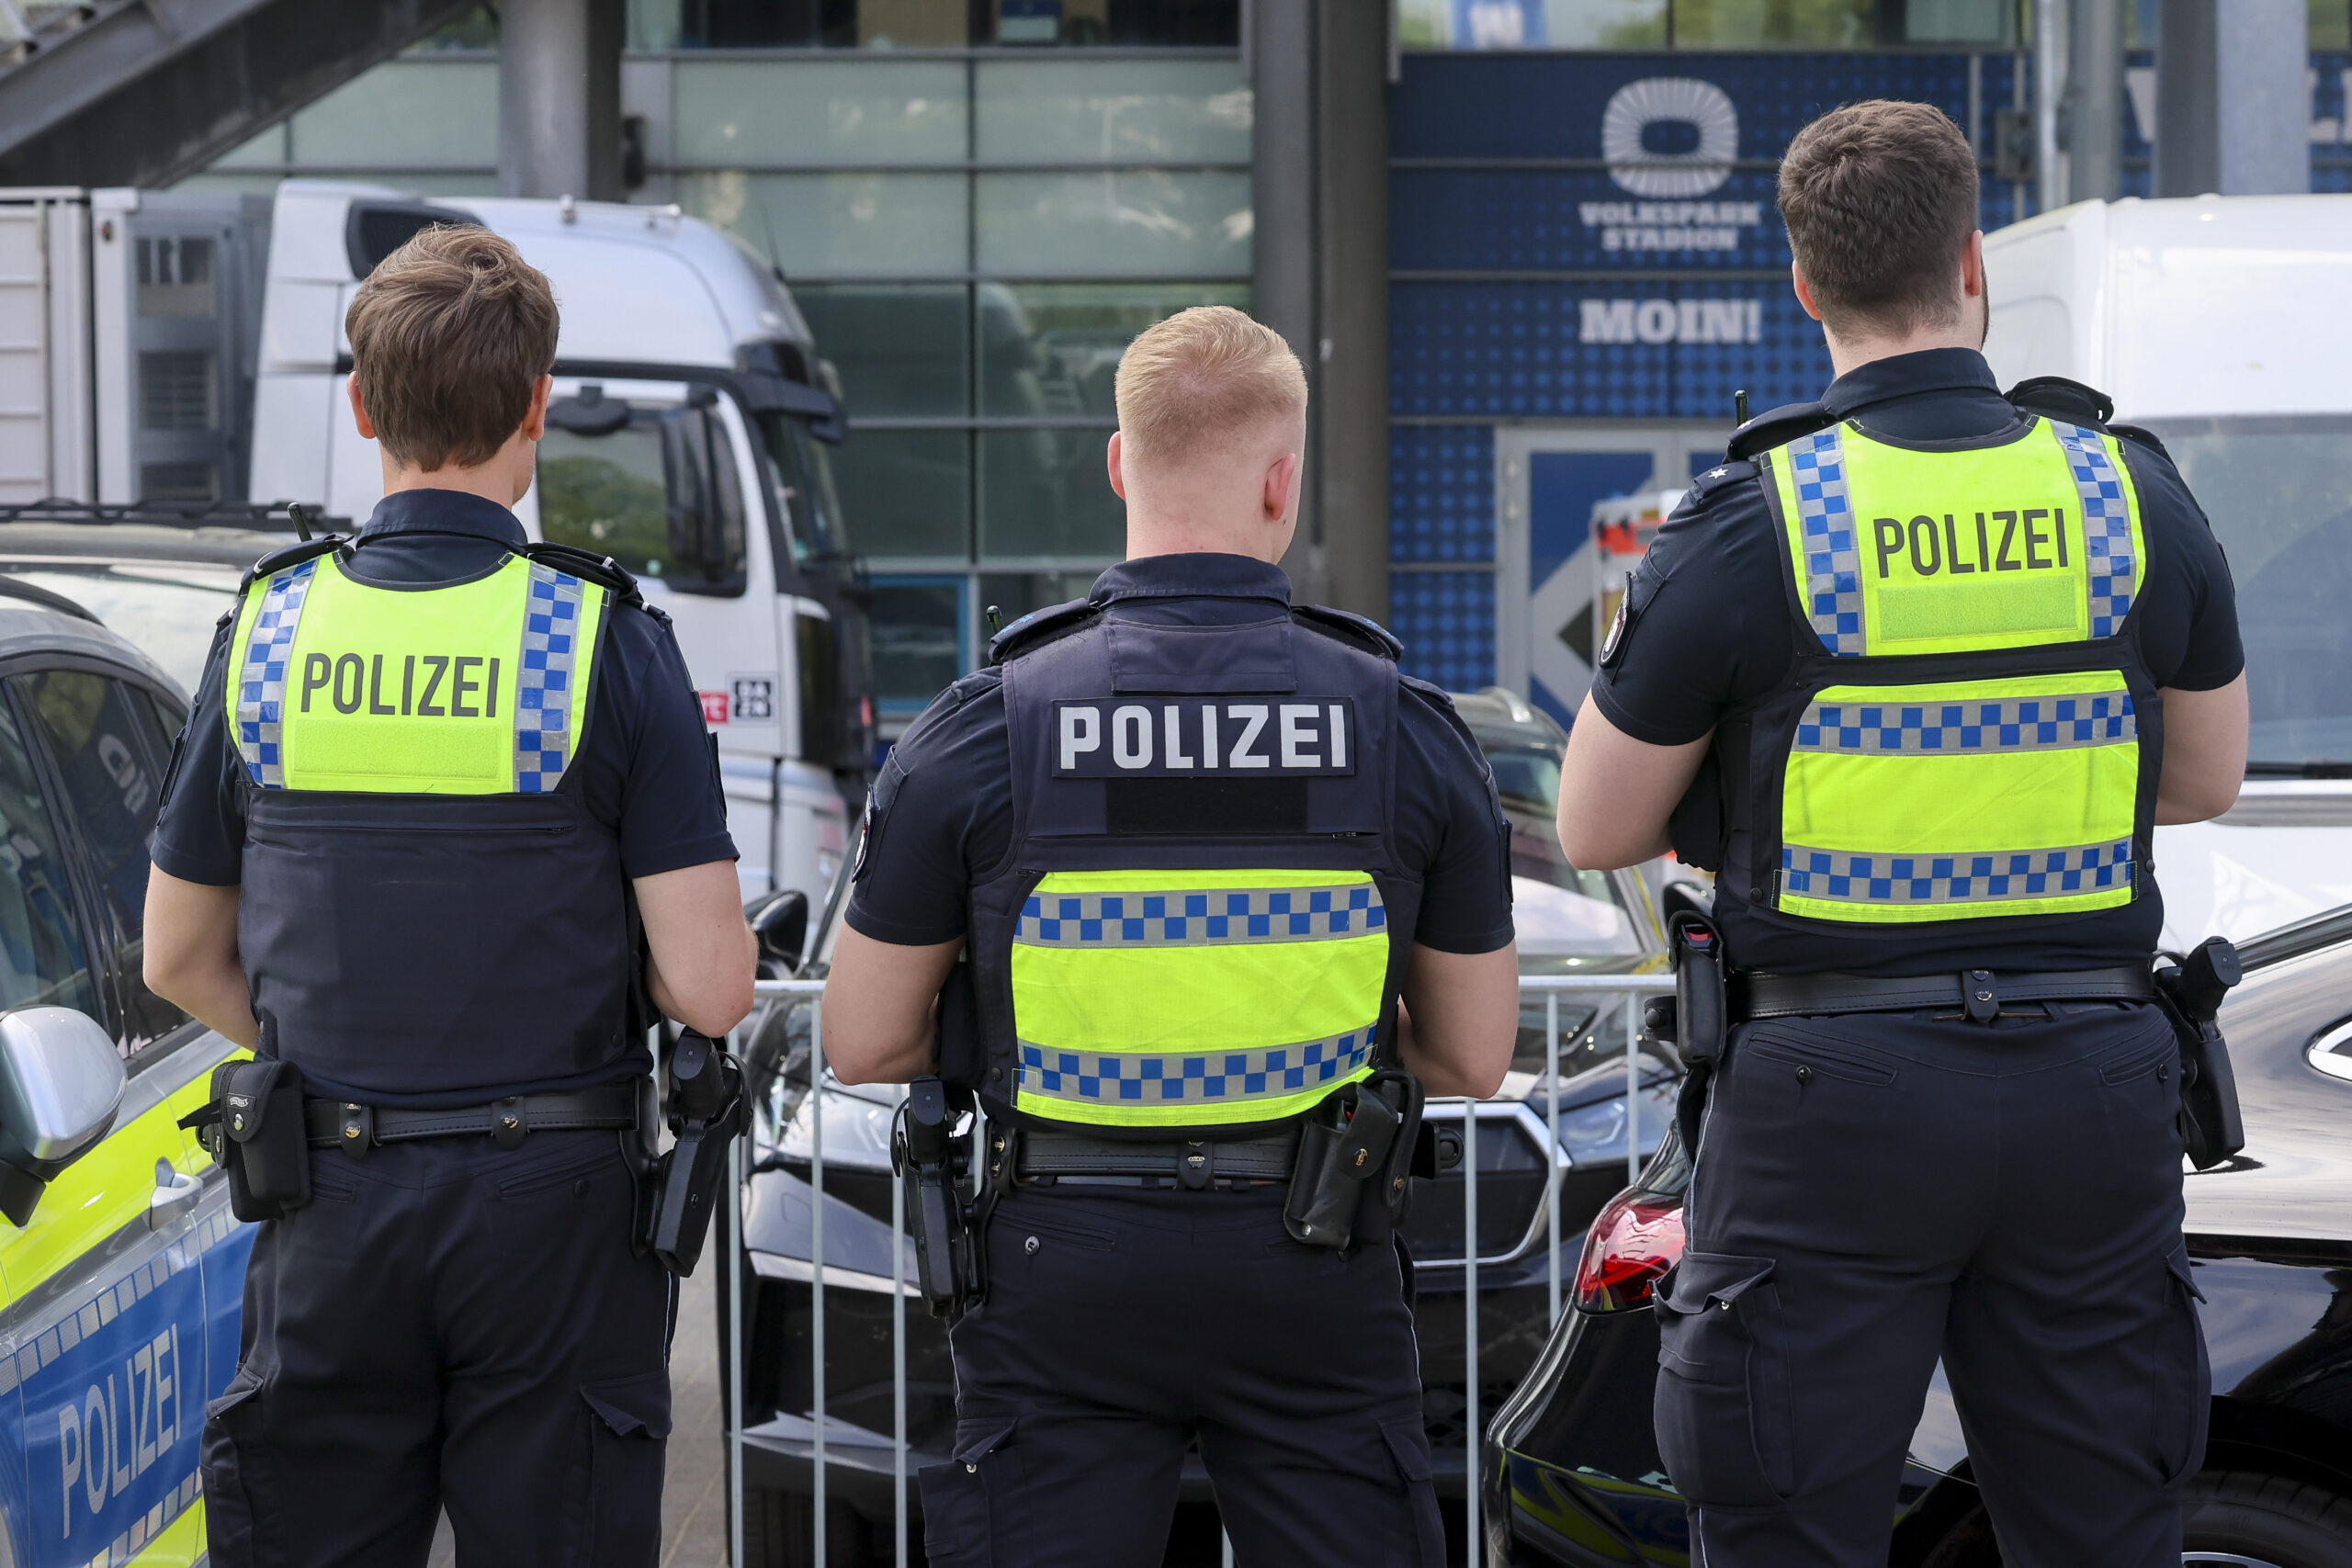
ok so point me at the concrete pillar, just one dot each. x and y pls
(1352, 147)
(2232, 103)
(559, 97)
(1278, 61)
(2051, 188)
(2095, 103)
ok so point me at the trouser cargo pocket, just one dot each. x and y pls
(629, 1430)
(235, 1460)
(1722, 1398)
(959, 1529)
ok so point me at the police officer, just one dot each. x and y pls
(1195, 841)
(426, 776)
(1919, 669)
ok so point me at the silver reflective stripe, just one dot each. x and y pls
(261, 677)
(543, 705)
(1954, 879)
(1833, 566)
(1201, 917)
(1181, 1077)
(2106, 526)
(2020, 724)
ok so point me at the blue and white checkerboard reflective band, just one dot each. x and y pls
(260, 675)
(1954, 879)
(545, 696)
(1207, 918)
(1833, 565)
(2023, 724)
(1187, 1078)
(2106, 526)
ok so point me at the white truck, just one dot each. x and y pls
(189, 349)
(2217, 322)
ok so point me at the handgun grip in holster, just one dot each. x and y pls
(706, 1114)
(923, 1149)
(2190, 992)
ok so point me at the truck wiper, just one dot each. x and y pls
(2314, 769)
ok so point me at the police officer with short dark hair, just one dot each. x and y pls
(435, 783)
(1195, 841)
(1918, 669)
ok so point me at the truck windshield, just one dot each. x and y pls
(2279, 494)
(804, 480)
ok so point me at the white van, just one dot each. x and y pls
(2219, 324)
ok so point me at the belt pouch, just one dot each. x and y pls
(264, 1137)
(1335, 1160)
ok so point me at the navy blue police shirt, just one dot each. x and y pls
(942, 811)
(1713, 636)
(646, 767)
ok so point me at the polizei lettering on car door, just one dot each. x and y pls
(1962, 544)
(1271, 737)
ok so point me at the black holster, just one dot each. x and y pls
(1698, 1019)
(948, 1222)
(253, 1129)
(2190, 992)
(682, 1186)
(1357, 1149)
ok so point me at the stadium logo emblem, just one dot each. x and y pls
(1645, 119)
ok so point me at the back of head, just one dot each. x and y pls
(1205, 384)
(1880, 199)
(449, 335)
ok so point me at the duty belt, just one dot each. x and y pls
(1192, 1163)
(346, 1124)
(1979, 994)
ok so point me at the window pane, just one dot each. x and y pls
(659, 494)
(430, 114)
(1078, 23)
(898, 224)
(900, 350)
(1743, 24)
(1135, 223)
(1015, 593)
(1044, 492)
(804, 478)
(906, 493)
(42, 961)
(918, 630)
(1128, 111)
(819, 111)
(1053, 348)
(106, 744)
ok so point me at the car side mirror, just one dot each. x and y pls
(780, 921)
(61, 1085)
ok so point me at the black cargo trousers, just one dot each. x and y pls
(1875, 1190)
(1120, 1326)
(448, 1324)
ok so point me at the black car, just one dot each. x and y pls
(1570, 920)
(1571, 1474)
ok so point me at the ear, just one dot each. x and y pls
(1804, 291)
(1111, 460)
(1280, 499)
(534, 418)
(1971, 265)
(360, 409)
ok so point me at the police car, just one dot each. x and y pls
(1568, 920)
(120, 1267)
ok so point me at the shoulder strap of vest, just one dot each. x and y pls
(2054, 397)
(1777, 427)
(1357, 631)
(292, 555)
(1039, 627)
(603, 571)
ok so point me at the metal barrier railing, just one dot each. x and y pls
(1633, 988)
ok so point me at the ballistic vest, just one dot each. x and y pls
(1200, 927)
(1959, 736)
(428, 906)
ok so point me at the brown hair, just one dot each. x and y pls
(448, 336)
(1200, 377)
(1879, 198)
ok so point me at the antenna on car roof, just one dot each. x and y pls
(301, 524)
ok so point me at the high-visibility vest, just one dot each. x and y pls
(1200, 926)
(428, 905)
(1961, 738)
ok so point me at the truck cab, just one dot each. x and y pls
(686, 440)
(2207, 320)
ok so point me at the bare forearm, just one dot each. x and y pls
(189, 955)
(881, 1007)
(217, 997)
(1441, 1076)
(901, 1061)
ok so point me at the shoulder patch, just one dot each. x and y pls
(1777, 427)
(1723, 476)
(1038, 627)
(1343, 625)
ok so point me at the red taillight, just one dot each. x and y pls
(1633, 1241)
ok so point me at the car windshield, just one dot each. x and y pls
(804, 478)
(167, 611)
(2279, 494)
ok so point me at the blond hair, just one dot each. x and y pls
(1204, 376)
